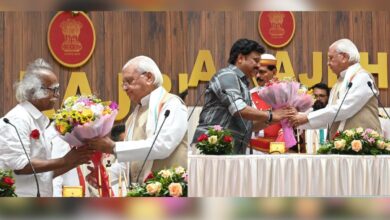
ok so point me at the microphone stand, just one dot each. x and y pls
(338, 110)
(196, 104)
(380, 103)
(166, 114)
(25, 152)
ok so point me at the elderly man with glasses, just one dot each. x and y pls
(36, 92)
(142, 81)
(358, 107)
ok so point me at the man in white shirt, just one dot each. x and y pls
(36, 92)
(142, 81)
(360, 107)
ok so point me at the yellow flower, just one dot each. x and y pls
(175, 190)
(213, 139)
(87, 113)
(165, 173)
(356, 145)
(374, 134)
(349, 133)
(381, 144)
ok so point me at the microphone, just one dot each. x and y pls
(166, 114)
(370, 85)
(25, 152)
(242, 120)
(196, 103)
(338, 110)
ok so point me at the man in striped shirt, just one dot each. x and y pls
(228, 100)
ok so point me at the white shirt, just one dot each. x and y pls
(60, 149)
(357, 97)
(26, 118)
(170, 135)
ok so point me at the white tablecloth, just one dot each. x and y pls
(288, 175)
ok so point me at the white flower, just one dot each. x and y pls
(213, 139)
(165, 173)
(79, 106)
(97, 109)
(359, 130)
(179, 170)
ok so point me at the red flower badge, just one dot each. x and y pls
(35, 134)
(8, 180)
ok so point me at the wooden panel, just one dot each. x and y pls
(173, 39)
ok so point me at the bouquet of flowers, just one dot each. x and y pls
(283, 93)
(7, 188)
(83, 118)
(356, 141)
(165, 183)
(215, 141)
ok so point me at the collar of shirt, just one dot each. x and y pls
(145, 100)
(349, 70)
(239, 73)
(42, 120)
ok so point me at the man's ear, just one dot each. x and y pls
(149, 78)
(240, 58)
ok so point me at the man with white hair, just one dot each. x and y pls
(360, 107)
(142, 81)
(36, 92)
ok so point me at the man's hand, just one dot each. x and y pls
(280, 114)
(298, 119)
(103, 144)
(78, 156)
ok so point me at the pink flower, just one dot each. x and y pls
(217, 128)
(35, 134)
(113, 105)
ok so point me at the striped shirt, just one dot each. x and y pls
(227, 93)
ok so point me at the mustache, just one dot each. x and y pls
(258, 79)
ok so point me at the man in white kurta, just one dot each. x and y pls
(36, 92)
(142, 81)
(360, 107)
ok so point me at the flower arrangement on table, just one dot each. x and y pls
(86, 117)
(283, 93)
(7, 188)
(356, 141)
(216, 141)
(165, 183)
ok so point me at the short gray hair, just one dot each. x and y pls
(29, 88)
(146, 64)
(348, 47)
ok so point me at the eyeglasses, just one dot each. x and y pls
(54, 89)
(126, 84)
